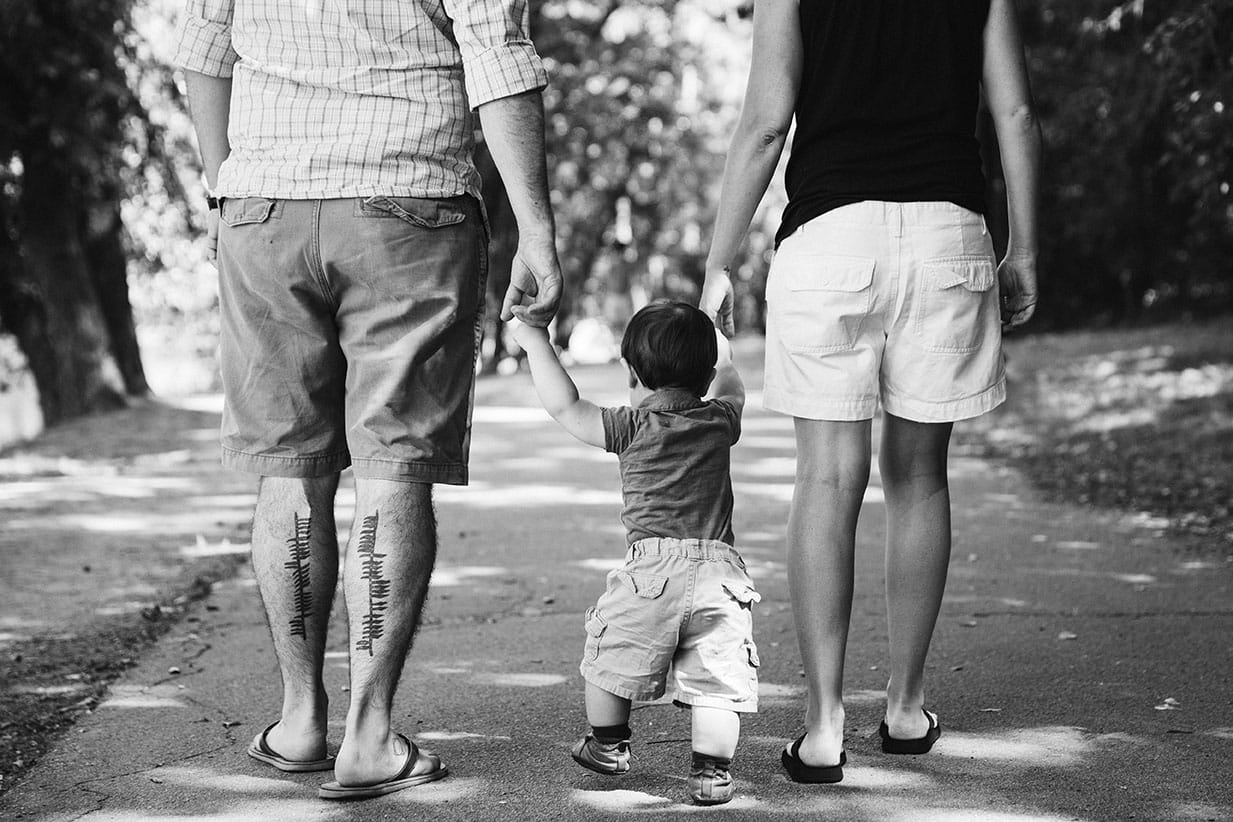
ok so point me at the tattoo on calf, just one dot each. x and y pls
(299, 550)
(371, 570)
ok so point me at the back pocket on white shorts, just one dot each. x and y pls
(954, 302)
(821, 300)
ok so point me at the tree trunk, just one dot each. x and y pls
(104, 232)
(54, 311)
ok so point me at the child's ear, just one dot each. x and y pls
(633, 376)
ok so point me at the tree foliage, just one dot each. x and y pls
(66, 111)
(1135, 103)
(1134, 99)
(642, 99)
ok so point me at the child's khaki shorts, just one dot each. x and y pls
(679, 604)
(894, 303)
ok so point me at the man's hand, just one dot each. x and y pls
(212, 236)
(1017, 278)
(534, 285)
(716, 301)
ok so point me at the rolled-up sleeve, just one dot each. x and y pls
(203, 42)
(498, 57)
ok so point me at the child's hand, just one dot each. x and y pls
(725, 349)
(529, 335)
(716, 301)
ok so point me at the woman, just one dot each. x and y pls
(882, 292)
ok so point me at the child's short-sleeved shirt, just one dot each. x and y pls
(674, 457)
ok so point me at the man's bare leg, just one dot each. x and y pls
(295, 559)
(832, 470)
(913, 465)
(389, 561)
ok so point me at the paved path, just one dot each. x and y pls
(1062, 634)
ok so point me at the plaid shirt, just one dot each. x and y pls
(351, 98)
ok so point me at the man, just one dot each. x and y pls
(336, 137)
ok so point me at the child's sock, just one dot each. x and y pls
(703, 760)
(611, 734)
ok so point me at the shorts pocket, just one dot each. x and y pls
(743, 593)
(822, 301)
(647, 586)
(424, 212)
(595, 627)
(955, 301)
(236, 211)
(751, 653)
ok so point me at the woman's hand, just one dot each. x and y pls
(1017, 278)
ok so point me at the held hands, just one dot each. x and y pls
(530, 336)
(1017, 278)
(716, 300)
(534, 285)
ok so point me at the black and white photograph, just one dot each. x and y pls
(518, 410)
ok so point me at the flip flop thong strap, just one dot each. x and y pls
(264, 746)
(795, 750)
(413, 756)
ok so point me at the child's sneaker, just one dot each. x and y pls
(609, 758)
(710, 782)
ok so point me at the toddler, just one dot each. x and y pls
(682, 603)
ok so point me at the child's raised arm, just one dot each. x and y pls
(556, 390)
(727, 384)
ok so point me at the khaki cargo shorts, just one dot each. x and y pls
(679, 608)
(885, 303)
(349, 334)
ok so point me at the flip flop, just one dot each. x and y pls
(912, 747)
(261, 751)
(798, 771)
(399, 781)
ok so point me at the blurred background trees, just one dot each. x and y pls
(1135, 102)
(98, 178)
(66, 116)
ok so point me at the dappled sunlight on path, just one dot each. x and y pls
(1077, 665)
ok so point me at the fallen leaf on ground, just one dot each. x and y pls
(1170, 704)
(1067, 635)
(990, 710)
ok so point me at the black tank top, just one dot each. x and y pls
(887, 105)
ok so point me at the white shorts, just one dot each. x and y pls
(885, 302)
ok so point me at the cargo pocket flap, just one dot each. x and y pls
(245, 210)
(753, 655)
(743, 593)
(974, 274)
(647, 586)
(595, 624)
(831, 273)
(422, 212)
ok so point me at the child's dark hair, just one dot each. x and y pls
(671, 345)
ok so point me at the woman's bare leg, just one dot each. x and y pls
(913, 465)
(832, 471)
